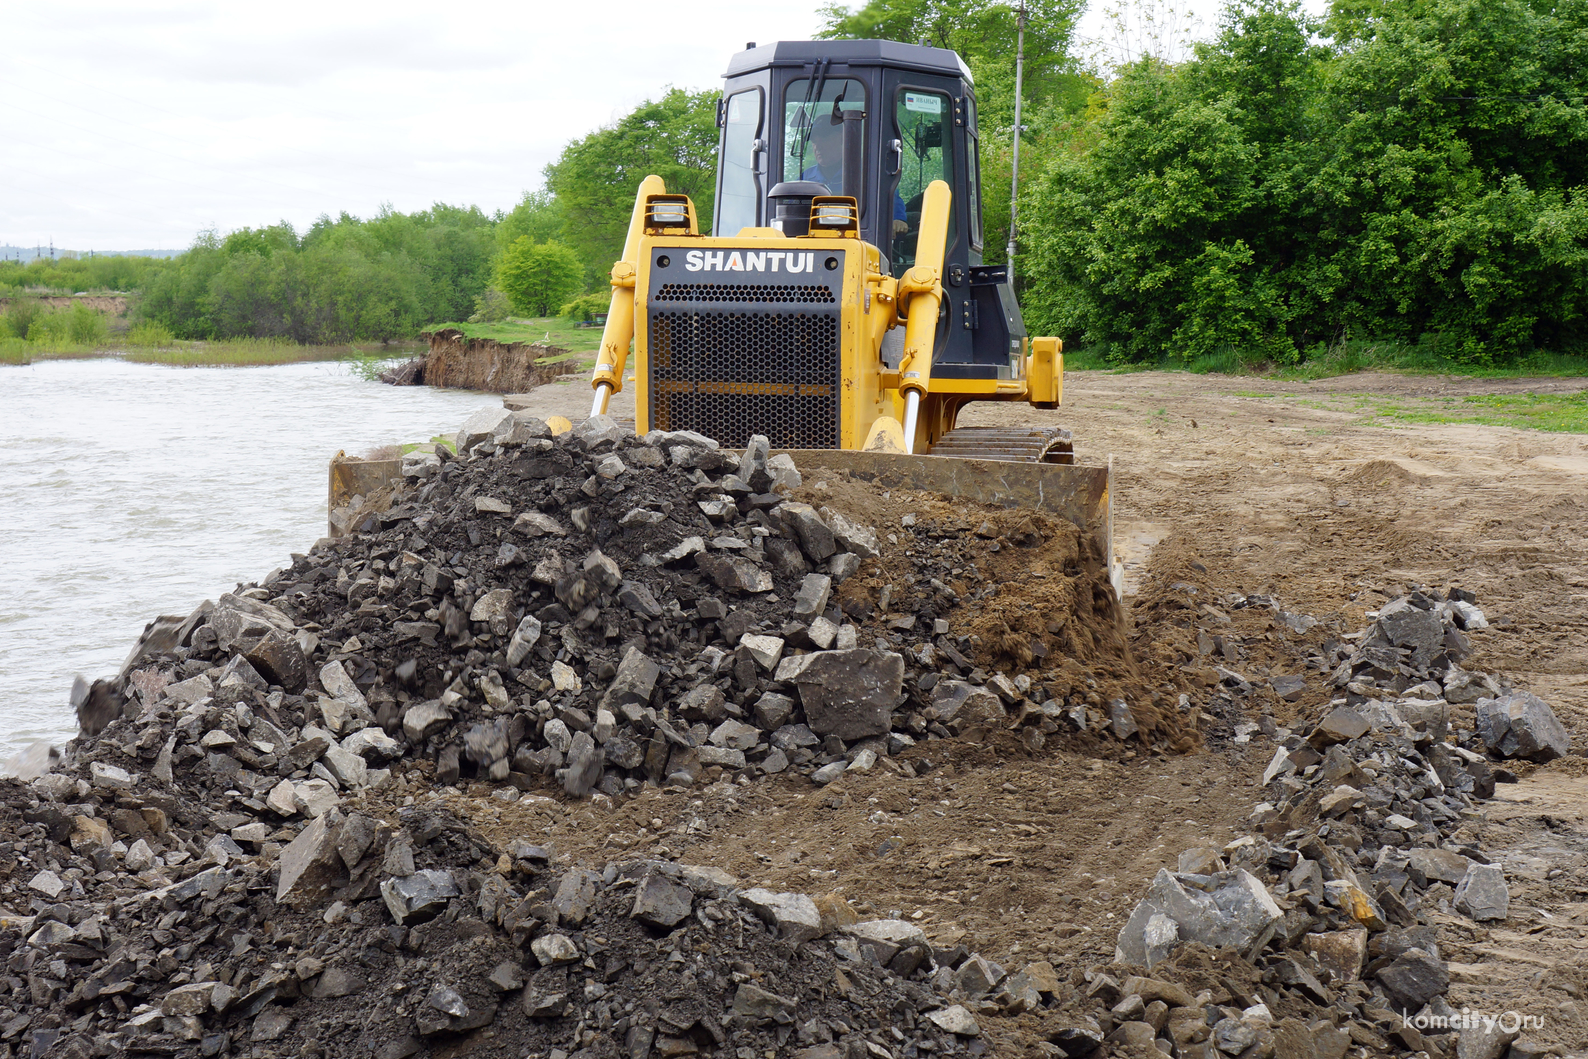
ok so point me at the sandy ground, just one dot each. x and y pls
(1295, 495)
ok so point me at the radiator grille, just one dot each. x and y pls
(729, 375)
(751, 293)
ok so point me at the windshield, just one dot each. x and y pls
(813, 136)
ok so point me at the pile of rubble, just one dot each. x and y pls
(1367, 829)
(246, 852)
(224, 862)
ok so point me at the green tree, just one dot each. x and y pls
(596, 177)
(984, 34)
(537, 215)
(1426, 181)
(538, 277)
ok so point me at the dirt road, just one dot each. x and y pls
(1225, 485)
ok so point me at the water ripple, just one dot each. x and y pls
(131, 490)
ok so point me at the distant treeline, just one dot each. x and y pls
(1415, 170)
(387, 277)
(343, 280)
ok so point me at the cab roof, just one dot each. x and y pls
(851, 53)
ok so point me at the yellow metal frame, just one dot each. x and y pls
(873, 304)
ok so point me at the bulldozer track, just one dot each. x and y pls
(1009, 445)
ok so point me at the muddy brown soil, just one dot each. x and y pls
(1219, 492)
(495, 367)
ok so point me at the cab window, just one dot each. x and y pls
(925, 152)
(741, 191)
(813, 140)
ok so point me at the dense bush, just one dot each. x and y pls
(588, 306)
(1422, 177)
(538, 277)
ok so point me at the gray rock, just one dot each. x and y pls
(309, 866)
(1121, 720)
(815, 536)
(280, 660)
(761, 1007)
(554, 949)
(811, 599)
(1463, 687)
(1341, 725)
(419, 897)
(766, 651)
(372, 744)
(335, 982)
(525, 637)
(884, 938)
(110, 777)
(187, 692)
(315, 798)
(576, 896)
(1233, 909)
(794, 915)
(772, 711)
(1438, 865)
(1414, 978)
(735, 572)
(586, 762)
(423, 718)
(1234, 1036)
(538, 524)
(951, 698)
(1522, 725)
(484, 425)
(600, 430)
(661, 902)
(634, 683)
(1147, 938)
(850, 694)
(827, 773)
(1486, 1040)
(956, 1020)
(851, 536)
(1482, 895)
(735, 735)
(1408, 626)
(349, 769)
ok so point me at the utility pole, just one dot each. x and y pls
(1014, 187)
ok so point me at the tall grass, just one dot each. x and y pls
(235, 352)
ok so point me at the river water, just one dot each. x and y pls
(132, 490)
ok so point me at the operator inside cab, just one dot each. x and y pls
(828, 140)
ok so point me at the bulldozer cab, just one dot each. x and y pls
(782, 116)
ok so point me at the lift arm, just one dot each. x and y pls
(613, 358)
(921, 289)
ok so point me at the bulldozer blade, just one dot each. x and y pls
(1079, 494)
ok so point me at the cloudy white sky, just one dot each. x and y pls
(133, 124)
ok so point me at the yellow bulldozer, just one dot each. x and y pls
(840, 306)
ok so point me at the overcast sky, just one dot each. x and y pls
(135, 124)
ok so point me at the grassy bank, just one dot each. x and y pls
(1347, 358)
(546, 330)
